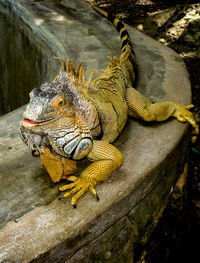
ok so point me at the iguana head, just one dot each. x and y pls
(48, 103)
(63, 113)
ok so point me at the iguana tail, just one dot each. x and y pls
(125, 42)
(125, 38)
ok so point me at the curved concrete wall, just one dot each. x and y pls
(35, 225)
(25, 61)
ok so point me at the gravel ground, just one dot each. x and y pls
(175, 24)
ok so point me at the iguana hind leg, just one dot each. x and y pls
(107, 159)
(144, 109)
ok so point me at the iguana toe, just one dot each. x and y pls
(183, 114)
(78, 187)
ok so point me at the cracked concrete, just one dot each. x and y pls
(35, 225)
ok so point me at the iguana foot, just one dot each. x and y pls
(106, 159)
(79, 186)
(183, 114)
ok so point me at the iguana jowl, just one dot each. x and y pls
(72, 118)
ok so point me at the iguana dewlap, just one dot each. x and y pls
(71, 118)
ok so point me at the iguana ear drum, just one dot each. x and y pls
(83, 149)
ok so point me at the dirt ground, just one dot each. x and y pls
(175, 24)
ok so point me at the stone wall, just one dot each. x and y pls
(35, 225)
(25, 62)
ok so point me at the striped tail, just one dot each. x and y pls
(125, 38)
(130, 63)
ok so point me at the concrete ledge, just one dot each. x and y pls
(35, 225)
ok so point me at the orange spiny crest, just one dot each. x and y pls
(77, 75)
(70, 67)
(114, 62)
(63, 64)
(92, 75)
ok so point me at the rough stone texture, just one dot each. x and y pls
(20, 63)
(24, 58)
(35, 225)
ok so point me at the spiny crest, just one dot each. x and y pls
(77, 75)
(110, 71)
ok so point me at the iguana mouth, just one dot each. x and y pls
(29, 123)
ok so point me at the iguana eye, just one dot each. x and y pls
(59, 102)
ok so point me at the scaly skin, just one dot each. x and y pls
(106, 158)
(57, 167)
(73, 118)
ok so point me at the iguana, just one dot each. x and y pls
(71, 118)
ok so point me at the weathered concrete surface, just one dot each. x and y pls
(37, 227)
(20, 63)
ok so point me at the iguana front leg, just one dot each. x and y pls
(160, 111)
(57, 167)
(107, 159)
